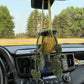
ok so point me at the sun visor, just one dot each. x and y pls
(38, 4)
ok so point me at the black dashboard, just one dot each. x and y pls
(19, 69)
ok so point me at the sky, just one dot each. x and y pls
(21, 9)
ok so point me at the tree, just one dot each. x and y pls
(62, 24)
(70, 22)
(20, 35)
(56, 26)
(46, 22)
(6, 23)
(78, 22)
(34, 23)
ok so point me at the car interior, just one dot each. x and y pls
(30, 64)
(16, 65)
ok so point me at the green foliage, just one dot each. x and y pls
(34, 23)
(6, 23)
(70, 22)
(20, 35)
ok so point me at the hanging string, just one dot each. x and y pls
(42, 15)
(50, 22)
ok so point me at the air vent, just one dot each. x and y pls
(67, 61)
(70, 60)
(24, 66)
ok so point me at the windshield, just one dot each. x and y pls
(20, 23)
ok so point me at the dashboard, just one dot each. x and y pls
(19, 69)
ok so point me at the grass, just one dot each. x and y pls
(31, 41)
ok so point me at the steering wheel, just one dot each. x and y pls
(3, 74)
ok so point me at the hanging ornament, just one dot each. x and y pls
(46, 43)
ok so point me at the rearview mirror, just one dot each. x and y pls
(38, 4)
